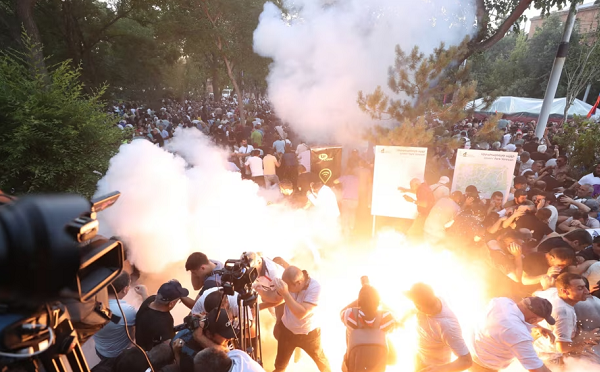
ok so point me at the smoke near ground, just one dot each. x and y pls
(178, 202)
(324, 52)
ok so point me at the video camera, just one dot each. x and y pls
(192, 323)
(238, 276)
(53, 273)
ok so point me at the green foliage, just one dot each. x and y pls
(53, 135)
(581, 139)
(432, 89)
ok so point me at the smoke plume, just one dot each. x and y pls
(184, 200)
(324, 52)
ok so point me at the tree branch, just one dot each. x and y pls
(479, 46)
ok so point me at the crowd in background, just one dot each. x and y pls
(537, 244)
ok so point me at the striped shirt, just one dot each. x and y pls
(387, 323)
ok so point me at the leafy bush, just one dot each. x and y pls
(581, 140)
(52, 135)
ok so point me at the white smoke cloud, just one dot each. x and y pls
(168, 210)
(326, 51)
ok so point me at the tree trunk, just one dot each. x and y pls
(24, 10)
(236, 87)
(215, 79)
(70, 32)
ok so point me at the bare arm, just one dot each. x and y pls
(188, 302)
(582, 267)
(300, 310)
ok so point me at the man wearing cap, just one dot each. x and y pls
(215, 331)
(570, 290)
(298, 326)
(504, 334)
(440, 334)
(440, 189)
(154, 322)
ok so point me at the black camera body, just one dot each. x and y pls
(238, 276)
(192, 323)
(54, 271)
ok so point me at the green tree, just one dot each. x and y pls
(581, 139)
(53, 135)
(581, 67)
(432, 89)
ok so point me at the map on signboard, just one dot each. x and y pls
(489, 171)
(487, 177)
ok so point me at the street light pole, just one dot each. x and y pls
(559, 62)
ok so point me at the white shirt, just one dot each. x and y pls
(589, 179)
(441, 214)
(304, 159)
(256, 166)
(440, 191)
(326, 202)
(588, 313)
(199, 305)
(553, 217)
(244, 150)
(311, 295)
(439, 336)
(591, 223)
(526, 166)
(243, 363)
(564, 330)
(164, 134)
(506, 140)
(503, 336)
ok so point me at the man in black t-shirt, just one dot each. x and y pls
(538, 264)
(591, 253)
(154, 322)
(537, 222)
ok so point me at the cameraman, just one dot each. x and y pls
(154, 322)
(216, 330)
(216, 359)
(204, 274)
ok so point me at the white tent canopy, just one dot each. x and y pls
(529, 106)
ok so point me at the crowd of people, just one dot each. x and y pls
(541, 256)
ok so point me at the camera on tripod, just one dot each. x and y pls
(54, 269)
(238, 276)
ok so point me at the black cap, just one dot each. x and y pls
(172, 291)
(471, 189)
(222, 326)
(540, 307)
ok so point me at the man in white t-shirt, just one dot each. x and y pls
(218, 359)
(504, 334)
(440, 189)
(255, 165)
(299, 326)
(324, 199)
(592, 178)
(242, 153)
(268, 271)
(570, 289)
(440, 334)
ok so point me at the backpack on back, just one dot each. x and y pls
(367, 347)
